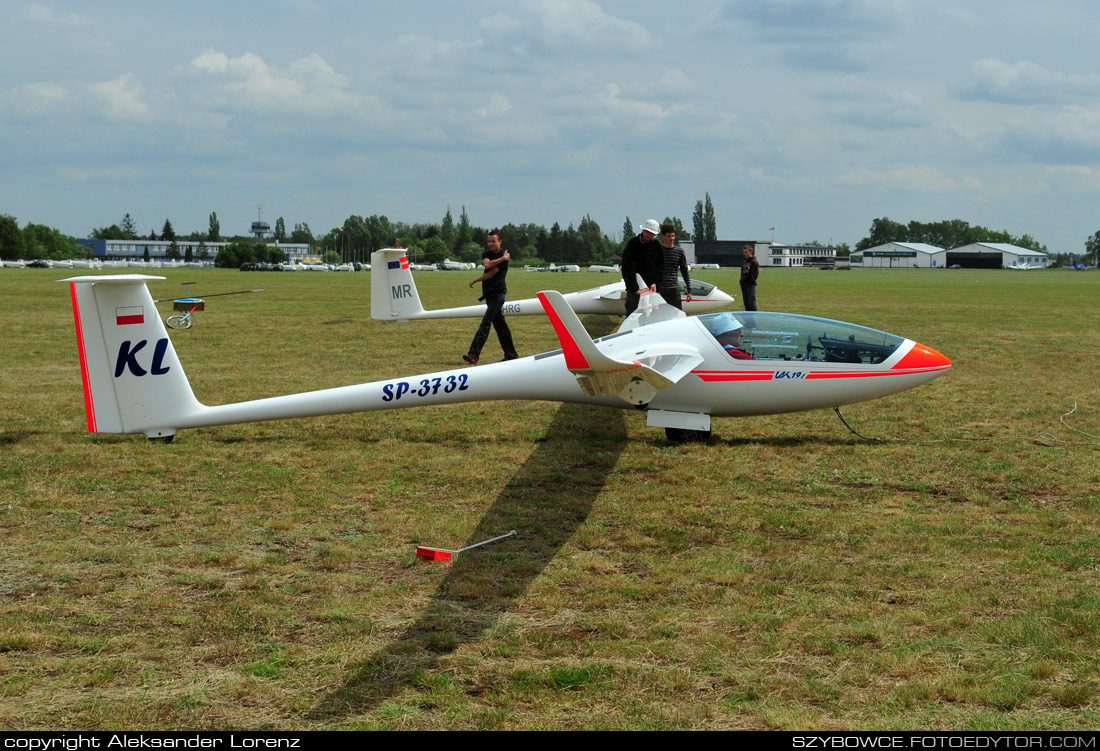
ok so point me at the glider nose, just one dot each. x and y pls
(719, 296)
(925, 358)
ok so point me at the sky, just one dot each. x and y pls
(811, 116)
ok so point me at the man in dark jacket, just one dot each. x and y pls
(750, 270)
(641, 256)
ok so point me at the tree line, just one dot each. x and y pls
(459, 239)
(431, 242)
(950, 233)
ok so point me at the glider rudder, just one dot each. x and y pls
(121, 341)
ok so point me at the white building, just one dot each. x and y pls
(996, 256)
(777, 254)
(900, 256)
(134, 250)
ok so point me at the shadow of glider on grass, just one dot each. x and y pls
(659, 361)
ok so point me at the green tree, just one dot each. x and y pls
(681, 233)
(447, 229)
(237, 252)
(699, 228)
(884, 230)
(592, 245)
(128, 227)
(552, 247)
(114, 232)
(11, 239)
(167, 232)
(464, 235)
(432, 249)
(280, 230)
(382, 233)
(40, 241)
(710, 224)
(469, 253)
(628, 232)
(302, 234)
(1092, 247)
(214, 234)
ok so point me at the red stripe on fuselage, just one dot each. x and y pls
(873, 374)
(734, 375)
(89, 405)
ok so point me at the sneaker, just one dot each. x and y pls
(506, 358)
(470, 359)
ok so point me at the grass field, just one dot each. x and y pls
(787, 575)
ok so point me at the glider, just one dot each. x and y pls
(393, 296)
(659, 361)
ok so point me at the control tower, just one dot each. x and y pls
(260, 227)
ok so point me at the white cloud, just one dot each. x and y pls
(121, 99)
(1024, 82)
(563, 25)
(308, 85)
(38, 96)
(498, 105)
(43, 14)
(802, 20)
(1067, 137)
(917, 178)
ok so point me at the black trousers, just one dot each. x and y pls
(494, 317)
(748, 296)
(671, 296)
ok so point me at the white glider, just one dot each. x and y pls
(659, 361)
(393, 296)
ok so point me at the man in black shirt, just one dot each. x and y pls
(493, 291)
(641, 256)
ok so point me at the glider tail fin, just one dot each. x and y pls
(393, 295)
(133, 380)
(597, 373)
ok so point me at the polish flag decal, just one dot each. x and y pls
(129, 316)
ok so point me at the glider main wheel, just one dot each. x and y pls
(684, 435)
(178, 322)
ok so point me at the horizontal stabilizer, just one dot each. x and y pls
(652, 308)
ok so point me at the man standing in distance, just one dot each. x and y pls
(750, 270)
(494, 290)
(641, 256)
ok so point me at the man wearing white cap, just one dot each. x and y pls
(727, 330)
(641, 256)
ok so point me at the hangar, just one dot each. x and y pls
(995, 256)
(900, 256)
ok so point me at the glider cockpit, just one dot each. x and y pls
(786, 336)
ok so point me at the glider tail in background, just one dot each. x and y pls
(122, 340)
(393, 295)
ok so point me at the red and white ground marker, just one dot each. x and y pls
(440, 554)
